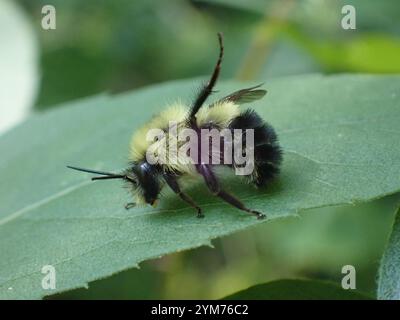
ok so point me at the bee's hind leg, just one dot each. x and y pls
(173, 184)
(213, 185)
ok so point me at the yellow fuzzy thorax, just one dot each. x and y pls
(221, 114)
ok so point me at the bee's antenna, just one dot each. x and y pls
(110, 177)
(107, 175)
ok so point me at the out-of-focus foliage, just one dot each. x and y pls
(118, 45)
(297, 290)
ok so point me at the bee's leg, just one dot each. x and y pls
(213, 185)
(207, 89)
(173, 184)
(130, 205)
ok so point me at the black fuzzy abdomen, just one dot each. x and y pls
(267, 152)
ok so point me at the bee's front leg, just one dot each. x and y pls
(173, 184)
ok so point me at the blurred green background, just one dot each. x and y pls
(114, 46)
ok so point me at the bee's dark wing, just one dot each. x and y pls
(243, 96)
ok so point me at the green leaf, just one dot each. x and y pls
(389, 271)
(297, 290)
(340, 138)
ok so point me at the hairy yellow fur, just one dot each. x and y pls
(139, 144)
(220, 115)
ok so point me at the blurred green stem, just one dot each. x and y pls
(263, 37)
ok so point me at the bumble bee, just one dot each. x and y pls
(146, 179)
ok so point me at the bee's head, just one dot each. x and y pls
(144, 181)
(141, 177)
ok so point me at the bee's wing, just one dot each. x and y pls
(243, 96)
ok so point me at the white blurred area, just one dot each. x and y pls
(19, 75)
